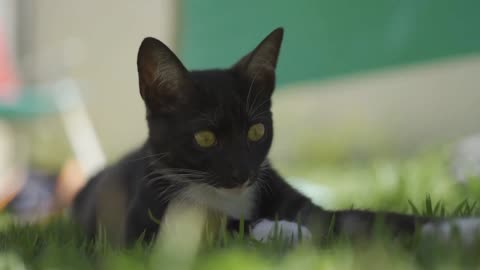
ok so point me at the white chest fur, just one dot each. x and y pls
(234, 203)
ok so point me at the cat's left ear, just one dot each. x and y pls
(164, 81)
(258, 66)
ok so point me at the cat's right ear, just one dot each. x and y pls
(259, 65)
(164, 81)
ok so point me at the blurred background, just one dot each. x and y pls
(363, 87)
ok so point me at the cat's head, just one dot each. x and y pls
(213, 121)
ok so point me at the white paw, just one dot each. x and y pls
(467, 228)
(264, 230)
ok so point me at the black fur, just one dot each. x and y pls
(226, 102)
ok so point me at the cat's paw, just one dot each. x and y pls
(466, 229)
(265, 229)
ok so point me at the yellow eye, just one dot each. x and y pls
(205, 138)
(256, 132)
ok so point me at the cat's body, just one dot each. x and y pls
(209, 137)
(120, 198)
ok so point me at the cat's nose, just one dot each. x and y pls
(239, 177)
(236, 176)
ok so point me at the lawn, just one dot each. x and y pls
(421, 184)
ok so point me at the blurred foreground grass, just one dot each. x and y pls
(382, 184)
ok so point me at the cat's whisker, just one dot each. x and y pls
(159, 155)
(167, 194)
(184, 178)
(263, 173)
(206, 117)
(148, 175)
(261, 185)
(264, 185)
(253, 103)
(184, 172)
(180, 170)
(259, 115)
(177, 177)
(154, 162)
(259, 106)
(264, 165)
(247, 105)
(179, 173)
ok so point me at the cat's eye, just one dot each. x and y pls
(256, 132)
(205, 138)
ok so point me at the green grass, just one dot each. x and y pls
(420, 185)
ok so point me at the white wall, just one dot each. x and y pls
(392, 111)
(7, 22)
(96, 42)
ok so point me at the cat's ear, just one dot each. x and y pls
(259, 65)
(164, 81)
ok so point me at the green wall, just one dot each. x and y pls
(328, 38)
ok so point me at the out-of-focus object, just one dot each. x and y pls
(8, 78)
(38, 195)
(8, 187)
(466, 159)
(78, 127)
(9, 86)
(36, 199)
(61, 97)
(31, 193)
(70, 180)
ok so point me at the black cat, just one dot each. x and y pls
(209, 136)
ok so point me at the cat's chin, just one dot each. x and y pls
(238, 190)
(236, 203)
(232, 191)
